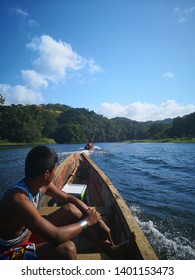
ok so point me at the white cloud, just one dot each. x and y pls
(34, 80)
(19, 12)
(142, 111)
(93, 67)
(20, 95)
(32, 23)
(182, 19)
(54, 61)
(168, 75)
(190, 10)
(183, 15)
(24, 17)
(177, 10)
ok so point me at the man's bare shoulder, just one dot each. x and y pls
(17, 205)
(13, 196)
(14, 203)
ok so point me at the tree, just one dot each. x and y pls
(2, 99)
(21, 123)
(70, 133)
(50, 124)
(158, 130)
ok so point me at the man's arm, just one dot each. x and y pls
(30, 217)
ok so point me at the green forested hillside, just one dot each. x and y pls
(30, 123)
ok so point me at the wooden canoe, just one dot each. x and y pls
(102, 194)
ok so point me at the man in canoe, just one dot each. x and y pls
(25, 234)
(89, 145)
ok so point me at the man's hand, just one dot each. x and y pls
(92, 216)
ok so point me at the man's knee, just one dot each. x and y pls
(63, 251)
(68, 250)
(73, 210)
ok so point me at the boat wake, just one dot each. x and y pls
(96, 151)
(166, 246)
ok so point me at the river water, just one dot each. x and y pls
(156, 180)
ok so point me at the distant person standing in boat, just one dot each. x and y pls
(25, 234)
(89, 145)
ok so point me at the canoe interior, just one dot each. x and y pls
(102, 194)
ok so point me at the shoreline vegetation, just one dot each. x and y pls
(52, 141)
(40, 142)
(166, 140)
(36, 124)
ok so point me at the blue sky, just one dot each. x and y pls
(127, 58)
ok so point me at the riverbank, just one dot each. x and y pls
(167, 140)
(51, 141)
(41, 141)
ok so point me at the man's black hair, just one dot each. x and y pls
(38, 160)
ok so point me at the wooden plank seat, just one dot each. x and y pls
(92, 256)
(46, 210)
